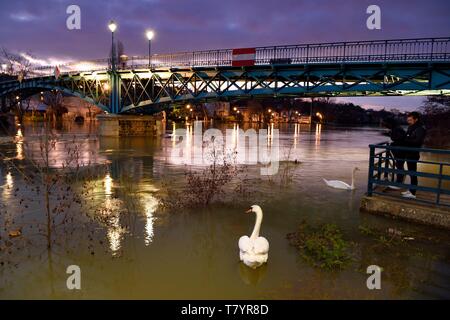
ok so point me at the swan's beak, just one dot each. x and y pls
(249, 211)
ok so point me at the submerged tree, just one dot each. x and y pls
(436, 110)
(56, 108)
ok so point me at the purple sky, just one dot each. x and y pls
(39, 27)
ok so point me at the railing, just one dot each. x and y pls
(402, 50)
(383, 173)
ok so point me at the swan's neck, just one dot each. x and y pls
(255, 233)
(353, 179)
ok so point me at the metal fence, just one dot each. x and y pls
(402, 50)
(383, 173)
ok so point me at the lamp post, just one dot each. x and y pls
(112, 27)
(150, 34)
(114, 78)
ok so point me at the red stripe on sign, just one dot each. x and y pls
(244, 51)
(243, 63)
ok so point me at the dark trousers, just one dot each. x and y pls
(412, 166)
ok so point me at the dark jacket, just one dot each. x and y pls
(415, 135)
(397, 135)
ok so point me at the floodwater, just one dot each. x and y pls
(145, 252)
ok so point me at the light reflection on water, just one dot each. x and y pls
(8, 187)
(19, 144)
(194, 255)
(115, 229)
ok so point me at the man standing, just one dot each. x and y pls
(415, 135)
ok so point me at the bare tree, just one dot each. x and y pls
(436, 105)
(54, 101)
(16, 64)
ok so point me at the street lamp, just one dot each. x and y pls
(112, 27)
(319, 115)
(150, 34)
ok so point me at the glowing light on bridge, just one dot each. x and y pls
(150, 34)
(112, 25)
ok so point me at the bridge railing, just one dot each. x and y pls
(433, 175)
(401, 50)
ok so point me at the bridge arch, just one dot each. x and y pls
(48, 86)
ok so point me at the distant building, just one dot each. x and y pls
(77, 107)
(220, 109)
(305, 119)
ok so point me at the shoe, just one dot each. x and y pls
(394, 187)
(408, 194)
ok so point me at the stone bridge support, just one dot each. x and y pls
(111, 125)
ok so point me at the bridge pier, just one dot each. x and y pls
(113, 125)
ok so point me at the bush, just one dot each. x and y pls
(323, 246)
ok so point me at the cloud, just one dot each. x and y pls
(23, 17)
(184, 25)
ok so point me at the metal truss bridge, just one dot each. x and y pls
(359, 68)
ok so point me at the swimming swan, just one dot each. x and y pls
(254, 250)
(341, 184)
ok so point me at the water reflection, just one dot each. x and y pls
(318, 134)
(7, 187)
(137, 166)
(150, 203)
(296, 135)
(19, 144)
(115, 231)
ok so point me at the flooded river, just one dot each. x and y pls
(145, 252)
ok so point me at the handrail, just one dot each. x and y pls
(376, 51)
(382, 165)
(385, 145)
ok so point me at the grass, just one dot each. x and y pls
(322, 246)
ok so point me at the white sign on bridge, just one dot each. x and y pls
(244, 57)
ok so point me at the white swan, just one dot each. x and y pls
(254, 251)
(341, 184)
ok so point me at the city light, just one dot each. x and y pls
(150, 34)
(112, 25)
